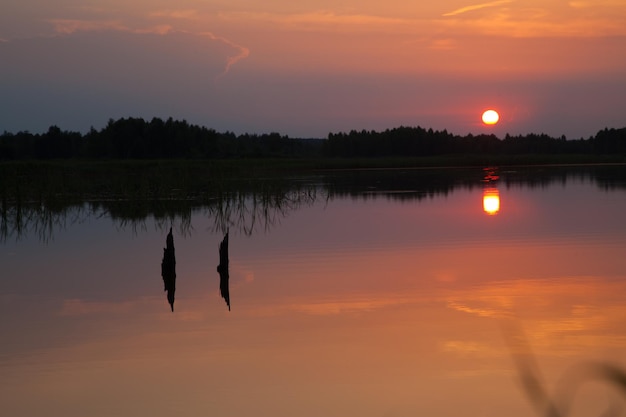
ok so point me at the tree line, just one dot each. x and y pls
(417, 141)
(136, 138)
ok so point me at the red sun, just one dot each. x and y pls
(490, 117)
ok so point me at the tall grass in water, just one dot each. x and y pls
(559, 403)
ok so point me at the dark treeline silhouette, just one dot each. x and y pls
(417, 141)
(136, 138)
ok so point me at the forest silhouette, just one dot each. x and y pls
(136, 138)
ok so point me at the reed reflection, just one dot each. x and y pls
(168, 269)
(222, 269)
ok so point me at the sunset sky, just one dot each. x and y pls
(308, 68)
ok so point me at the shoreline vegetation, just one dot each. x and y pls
(254, 168)
(41, 197)
(156, 141)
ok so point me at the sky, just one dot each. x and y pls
(313, 67)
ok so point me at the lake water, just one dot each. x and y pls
(368, 293)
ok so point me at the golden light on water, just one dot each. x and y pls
(491, 201)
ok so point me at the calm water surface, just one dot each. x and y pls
(374, 296)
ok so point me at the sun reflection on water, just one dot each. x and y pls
(491, 196)
(491, 201)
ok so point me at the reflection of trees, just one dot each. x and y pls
(134, 214)
(247, 206)
(251, 211)
(417, 184)
(19, 219)
(44, 201)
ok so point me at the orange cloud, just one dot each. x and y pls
(186, 14)
(476, 7)
(576, 20)
(505, 24)
(582, 4)
(242, 53)
(516, 22)
(324, 21)
(69, 26)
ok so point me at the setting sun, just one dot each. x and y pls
(490, 117)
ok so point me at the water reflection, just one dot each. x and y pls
(316, 331)
(255, 204)
(168, 269)
(491, 201)
(491, 195)
(222, 269)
